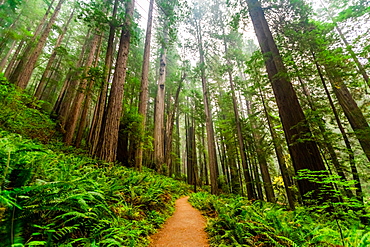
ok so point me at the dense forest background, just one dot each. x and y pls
(268, 100)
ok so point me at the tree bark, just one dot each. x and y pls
(62, 107)
(25, 75)
(159, 107)
(109, 134)
(143, 98)
(212, 156)
(169, 125)
(354, 171)
(304, 153)
(46, 73)
(351, 110)
(10, 68)
(280, 155)
(96, 127)
(6, 57)
(248, 179)
(77, 102)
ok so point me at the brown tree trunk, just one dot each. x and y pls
(248, 179)
(6, 57)
(279, 155)
(14, 73)
(77, 102)
(170, 123)
(143, 98)
(107, 150)
(261, 157)
(62, 107)
(304, 154)
(25, 75)
(46, 73)
(353, 55)
(13, 62)
(212, 156)
(351, 110)
(102, 101)
(87, 101)
(159, 107)
(326, 138)
(354, 171)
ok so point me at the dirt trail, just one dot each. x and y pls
(184, 229)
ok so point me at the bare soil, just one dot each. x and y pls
(184, 229)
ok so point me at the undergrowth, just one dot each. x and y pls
(235, 221)
(50, 198)
(19, 113)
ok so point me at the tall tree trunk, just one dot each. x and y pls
(87, 101)
(102, 100)
(143, 98)
(354, 171)
(13, 62)
(46, 73)
(77, 102)
(351, 110)
(212, 156)
(25, 75)
(248, 179)
(280, 155)
(170, 123)
(159, 107)
(353, 55)
(110, 128)
(62, 107)
(305, 154)
(328, 145)
(14, 73)
(6, 57)
(261, 157)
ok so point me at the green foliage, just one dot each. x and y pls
(235, 221)
(19, 113)
(50, 198)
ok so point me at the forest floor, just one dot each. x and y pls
(184, 229)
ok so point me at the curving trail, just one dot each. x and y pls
(184, 229)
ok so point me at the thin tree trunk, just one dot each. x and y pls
(77, 103)
(212, 156)
(353, 55)
(279, 154)
(6, 57)
(143, 98)
(170, 124)
(261, 158)
(14, 75)
(109, 134)
(10, 68)
(71, 83)
(351, 110)
(327, 143)
(87, 101)
(46, 73)
(248, 180)
(354, 171)
(25, 75)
